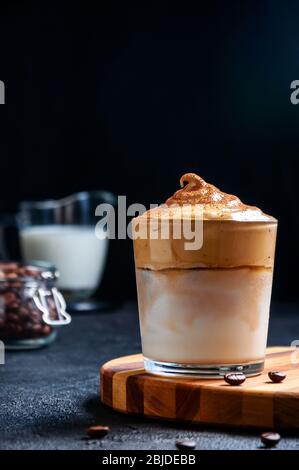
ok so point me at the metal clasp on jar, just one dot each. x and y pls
(40, 299)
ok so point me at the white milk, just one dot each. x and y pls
(74, 250)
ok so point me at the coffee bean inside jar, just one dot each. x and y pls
(30, 305)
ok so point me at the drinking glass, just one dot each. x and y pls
(62, 232)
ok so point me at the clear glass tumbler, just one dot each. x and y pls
(206, 312)
(62, 232)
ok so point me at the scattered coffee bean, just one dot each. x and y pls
(270, 439)
(97, 432)
(185, 444)
(276, 376)
(234, 378)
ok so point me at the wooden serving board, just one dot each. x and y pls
(259, 403)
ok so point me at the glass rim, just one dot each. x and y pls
(105, 196)
(46, 272)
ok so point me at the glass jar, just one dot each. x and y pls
(30, 305)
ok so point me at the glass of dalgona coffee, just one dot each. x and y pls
(204, 302)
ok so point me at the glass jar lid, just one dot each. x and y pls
(11, 271)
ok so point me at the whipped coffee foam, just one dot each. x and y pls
(213, 203)
(234, 234)
(197, 191)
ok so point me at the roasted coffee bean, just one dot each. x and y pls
(12, 318)
(36, 320)
(14, 289)
(21, 271)
(51, 303)
(270, 439)
(24, 312)
(15, 286)
(234, 378)
(31, 271)
(35, 314)
(31, 306)
(18, 329)
(37, 328)
(14, 328)
(185, 444)
(9, 298)
(276, 376)
(11, 275)
(15, 305)
(5, 266)
(97, 432)
(28, 327)
(46, 330)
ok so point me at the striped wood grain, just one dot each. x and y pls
(126, 387)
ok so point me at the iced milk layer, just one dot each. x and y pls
(204, 316)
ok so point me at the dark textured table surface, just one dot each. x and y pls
(50, 396)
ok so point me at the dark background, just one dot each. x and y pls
(129, 96)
